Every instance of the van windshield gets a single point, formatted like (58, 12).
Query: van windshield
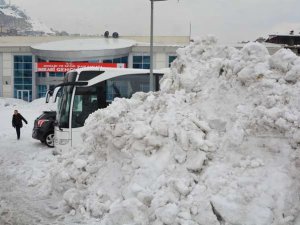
(63, 114)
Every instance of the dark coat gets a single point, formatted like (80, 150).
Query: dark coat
(17, 120)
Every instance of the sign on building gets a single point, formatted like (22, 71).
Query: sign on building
(66, 66)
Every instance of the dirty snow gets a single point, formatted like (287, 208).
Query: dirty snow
(218, 145)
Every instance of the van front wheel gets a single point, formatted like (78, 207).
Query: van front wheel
(49, 140)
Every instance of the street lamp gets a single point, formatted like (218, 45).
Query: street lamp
(151, 45)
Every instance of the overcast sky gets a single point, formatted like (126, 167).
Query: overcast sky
(228, 20)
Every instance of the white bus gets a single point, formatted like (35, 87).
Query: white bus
(86, 90)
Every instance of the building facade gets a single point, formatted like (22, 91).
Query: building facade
(290, 41)
(29, 66)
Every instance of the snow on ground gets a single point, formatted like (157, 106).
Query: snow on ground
(23, 165)
(218, 145)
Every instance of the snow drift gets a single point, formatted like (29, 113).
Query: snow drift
(218, 145)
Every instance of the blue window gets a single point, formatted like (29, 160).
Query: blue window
(28, 66)
(58, 74)
(137, 59)
(41, 91)
(27, 87)
(18, 73)
(171, 59)
(23, 77)
(41, 74)
(18, 58)
(27, 81)
(117, 60)
(93, 61)
(40, 60)
(124, 59)
(18, 66)
(141, 61)
(27, 73)
(18, 80)
(27, 58)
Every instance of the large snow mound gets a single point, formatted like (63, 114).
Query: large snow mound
(41, 105)
(218, 145)
(38, 104)
(11, 102)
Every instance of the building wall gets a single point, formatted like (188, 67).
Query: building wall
(7, 65)
(31, 40)
(178, 40)
(7, 75)
(1, 75)
(160, 61)
(13, 46)
(160, 54)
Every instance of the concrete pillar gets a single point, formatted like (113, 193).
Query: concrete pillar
(1, 75)
(8, 79)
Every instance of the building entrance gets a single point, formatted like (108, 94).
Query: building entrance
(24, 95)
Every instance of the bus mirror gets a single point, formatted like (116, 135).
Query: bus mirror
(56, 93)
(47, 97)
(56, 98)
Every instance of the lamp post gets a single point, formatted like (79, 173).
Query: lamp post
(151, 45)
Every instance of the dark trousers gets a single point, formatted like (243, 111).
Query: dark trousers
(18, 129)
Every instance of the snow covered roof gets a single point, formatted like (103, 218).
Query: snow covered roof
(85, 44)
(145, 44)
(83, 48)
(268, 45)
(284, 35)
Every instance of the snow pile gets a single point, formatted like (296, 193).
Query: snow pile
(38, 105)
(24, 164)
(218, 145)
(41, 105)
(11, 102)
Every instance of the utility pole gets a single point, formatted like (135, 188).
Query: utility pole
(151, 45)
(190, 31)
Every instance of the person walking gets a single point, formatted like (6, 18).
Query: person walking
(17, 122)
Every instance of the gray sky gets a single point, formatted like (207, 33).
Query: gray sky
(228, 20)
